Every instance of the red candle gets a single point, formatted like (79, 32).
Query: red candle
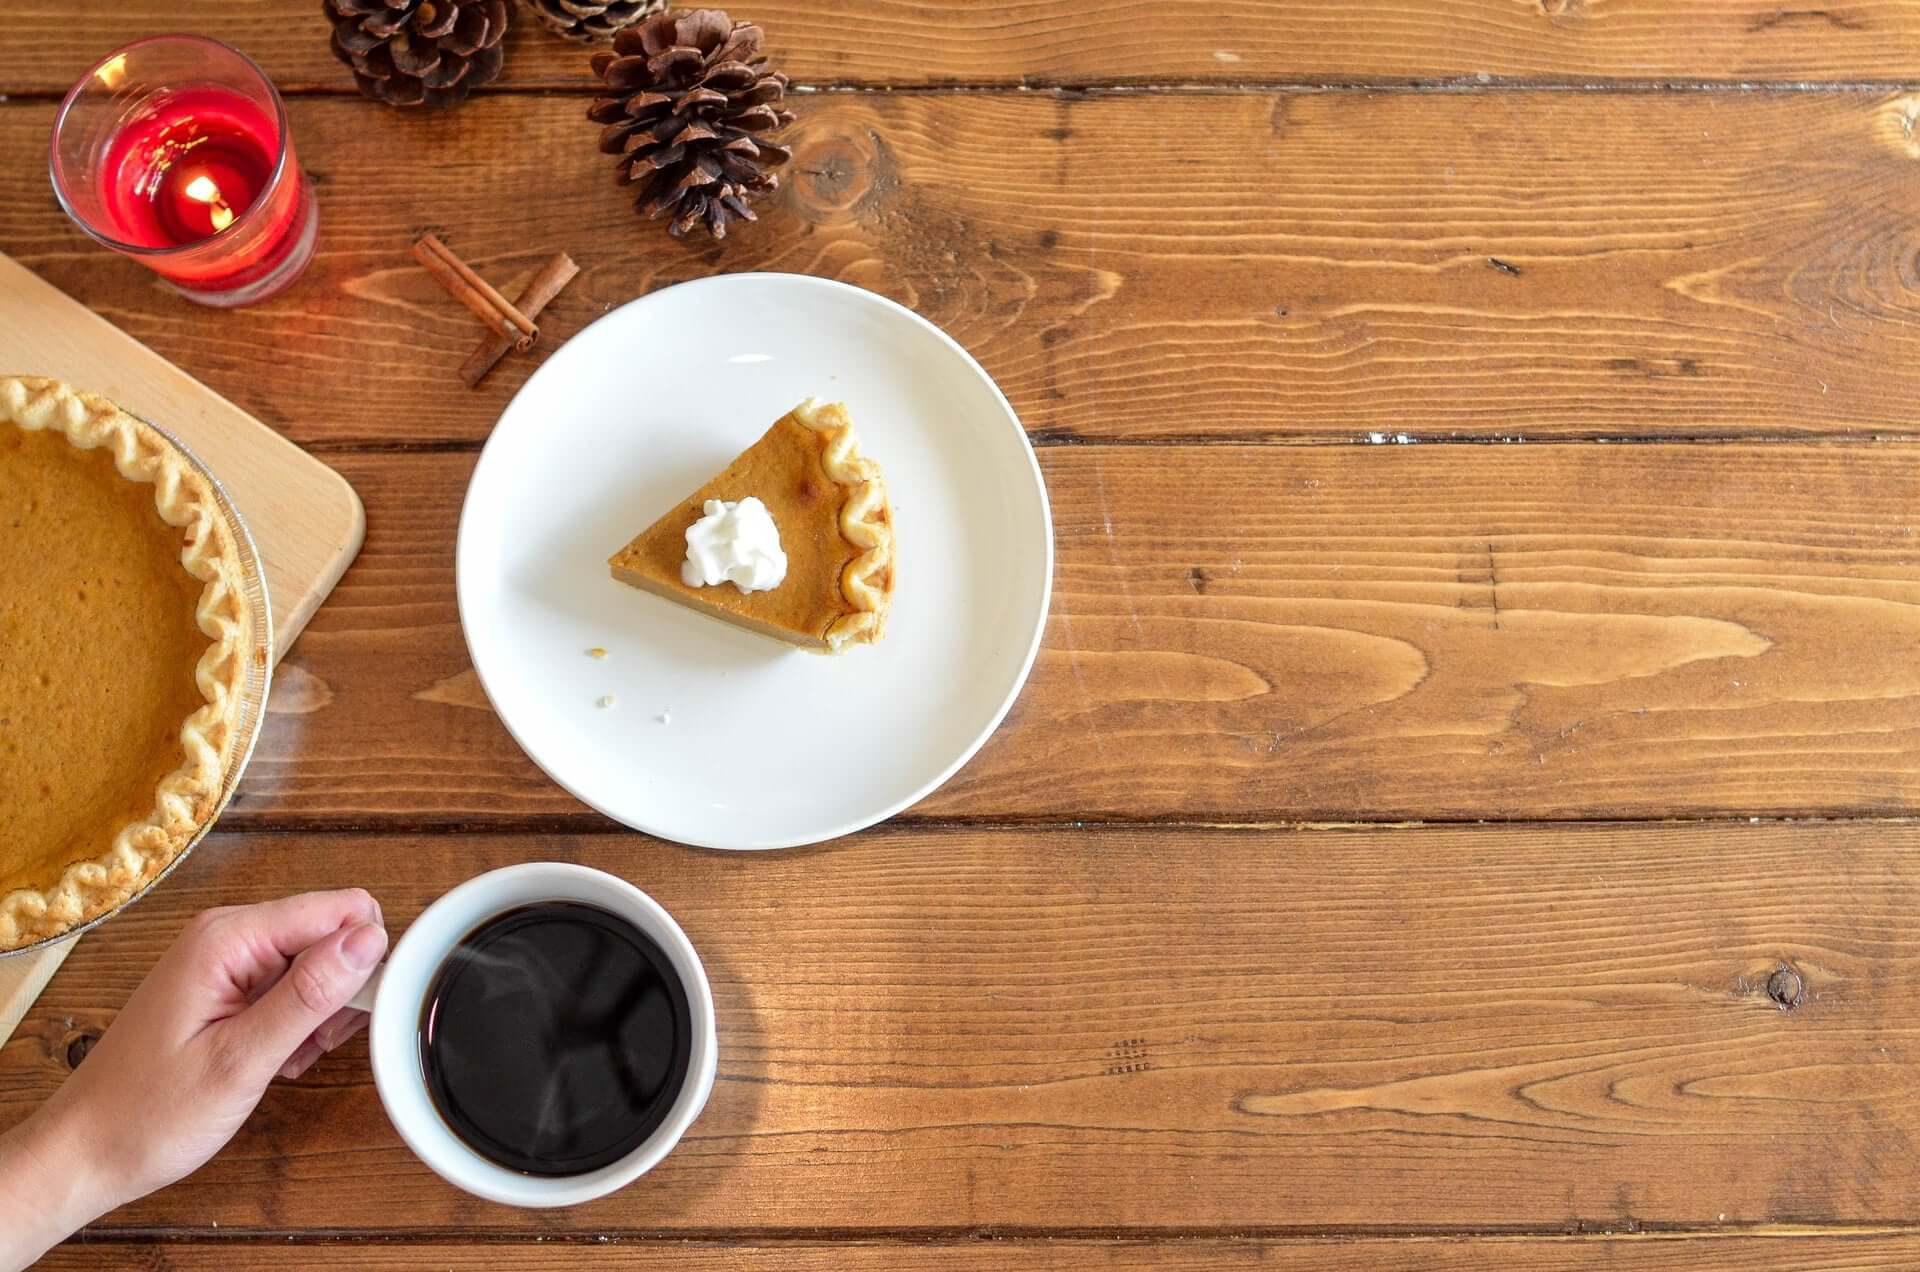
(187, 168)
(174, 150)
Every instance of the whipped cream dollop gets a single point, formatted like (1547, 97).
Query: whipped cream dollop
(737, 543)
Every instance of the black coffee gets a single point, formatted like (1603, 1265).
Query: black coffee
(555, 1038)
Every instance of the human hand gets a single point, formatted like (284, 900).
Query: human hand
(245, 994)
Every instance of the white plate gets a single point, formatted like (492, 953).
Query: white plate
(718, 737)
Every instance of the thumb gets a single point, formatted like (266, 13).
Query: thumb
(318, 984)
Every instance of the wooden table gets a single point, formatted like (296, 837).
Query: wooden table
(1462, 814)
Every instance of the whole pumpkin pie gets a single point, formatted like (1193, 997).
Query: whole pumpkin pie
(124, 640)
(829, 503)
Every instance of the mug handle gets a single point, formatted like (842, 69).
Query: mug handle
(363, 1001)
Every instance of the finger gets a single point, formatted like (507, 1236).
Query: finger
(290, 924)
(266, 1035)
(341, 1026)
(255, 943)
(302, 1060)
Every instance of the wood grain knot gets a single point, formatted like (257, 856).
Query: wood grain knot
(1897, 124)
(1786, 987)
(297, 691)
(78, 1048)
(834, 171)
(1796, 17)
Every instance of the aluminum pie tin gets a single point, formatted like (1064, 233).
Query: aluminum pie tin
(253, 692)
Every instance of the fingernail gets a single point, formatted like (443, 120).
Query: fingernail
(364, 946)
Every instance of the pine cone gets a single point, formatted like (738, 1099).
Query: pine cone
(592, 19)
(419, 52)
(693, 102)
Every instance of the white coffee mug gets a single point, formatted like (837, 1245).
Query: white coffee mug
(399, 990)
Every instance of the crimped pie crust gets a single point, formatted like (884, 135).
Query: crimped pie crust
(186, 798)
(866, 521)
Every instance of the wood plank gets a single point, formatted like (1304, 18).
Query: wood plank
(1228, 266)
(1364, 632)
(1647, 1253)
(1564, 1029)
(1114, 41)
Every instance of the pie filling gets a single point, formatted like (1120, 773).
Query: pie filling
(97, 621)
(124, 647)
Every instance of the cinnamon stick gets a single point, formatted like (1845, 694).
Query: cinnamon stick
(539, 293)
(475, 292)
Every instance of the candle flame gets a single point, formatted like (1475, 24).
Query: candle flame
(112, 71)
(203, 190)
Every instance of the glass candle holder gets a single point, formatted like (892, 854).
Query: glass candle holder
(175, 151)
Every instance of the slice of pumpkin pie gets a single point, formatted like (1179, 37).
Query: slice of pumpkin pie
(794, 540)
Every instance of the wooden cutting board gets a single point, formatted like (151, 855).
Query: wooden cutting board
(306, 520)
